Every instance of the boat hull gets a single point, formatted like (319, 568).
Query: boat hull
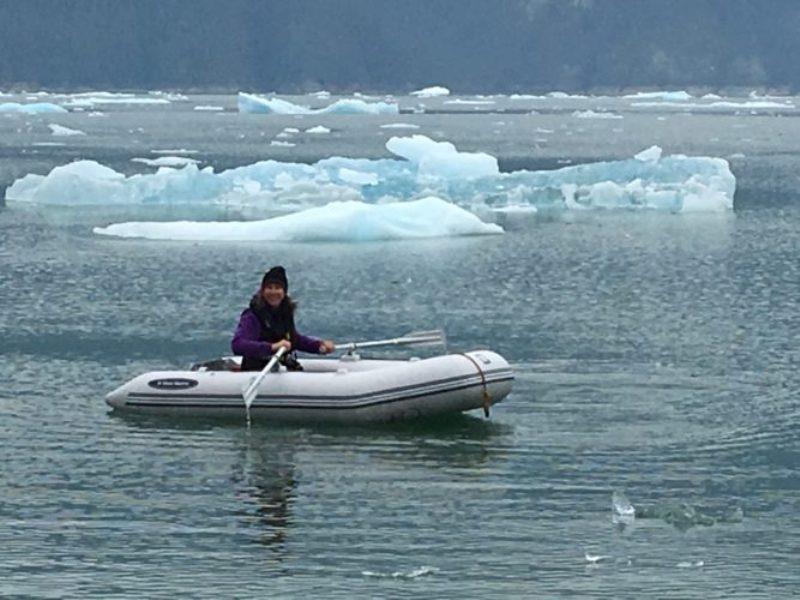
(341, 390)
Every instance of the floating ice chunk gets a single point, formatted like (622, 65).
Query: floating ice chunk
(652, 154)
(621, 506)
(175, 151)
(469, 102)
(61, 130)
(87, 182)
(359, 107)
(717, 105)
(688, 564)
(318, 129)
(93, 98)
(250, 103)
(31, 109)
(357, 177)
(595, 558)
(669, 96)
(422, 167)
(338, 221)
(442, 159)
(399, 126)
(209, 108)
(431, 92)
(590, 114)
(166, 161)
(282, 144)
(413, 574)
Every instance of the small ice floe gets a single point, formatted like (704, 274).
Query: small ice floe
(95, 113)
(413, 574)
(282, 144)
(251, 103)
(318, 129)
(668, 96)
(166, 161)
(470, 102)
(736, 155)
(688, 564)
(63, 131)
(175, 151)
(623, 511)
(209, 108)
(431, 92)
(31, 109)
(595, 558)
(399, 126)
(590, 114)
(49, 144)
(652, 154)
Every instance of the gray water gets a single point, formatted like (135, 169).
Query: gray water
(655, 356)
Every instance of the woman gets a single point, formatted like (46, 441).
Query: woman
(268, 324)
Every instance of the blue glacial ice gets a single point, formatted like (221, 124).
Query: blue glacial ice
(250, 103)
(421, 167)
(32, 108)
(335, 222)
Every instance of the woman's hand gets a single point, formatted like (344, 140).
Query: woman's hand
(281, 344)
(326, 347)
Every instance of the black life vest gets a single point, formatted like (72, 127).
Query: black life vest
(276, 324)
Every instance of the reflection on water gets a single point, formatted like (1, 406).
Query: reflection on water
(264, 477)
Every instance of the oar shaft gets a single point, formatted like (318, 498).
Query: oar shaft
(252, 390)
(392, 342)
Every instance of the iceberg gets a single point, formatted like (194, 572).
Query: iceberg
(420, 167)
(250, 103)
(335, 222)
(34, 108)
(431, 92)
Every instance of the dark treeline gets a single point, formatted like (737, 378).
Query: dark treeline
(399, 45)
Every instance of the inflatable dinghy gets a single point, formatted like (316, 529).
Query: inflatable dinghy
(347, 389)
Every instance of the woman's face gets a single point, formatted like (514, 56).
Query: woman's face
(273, 294)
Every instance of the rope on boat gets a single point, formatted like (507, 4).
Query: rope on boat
(487, 399)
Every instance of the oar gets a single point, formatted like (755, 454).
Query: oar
(413, 338)
(251, 391)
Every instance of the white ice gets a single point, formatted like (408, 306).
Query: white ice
(166, 161)
(318, 129)
(431, 92)
(60, 130)
(251, 103)
(31, 109)
(590, 114)
(399, 126)
(747, 105)
(335, 222)
(669, 96)
(209, 108)
(421, 167)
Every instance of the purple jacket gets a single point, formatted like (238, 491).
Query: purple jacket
(246, 339)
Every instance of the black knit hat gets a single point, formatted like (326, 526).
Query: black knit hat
(276, 275)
